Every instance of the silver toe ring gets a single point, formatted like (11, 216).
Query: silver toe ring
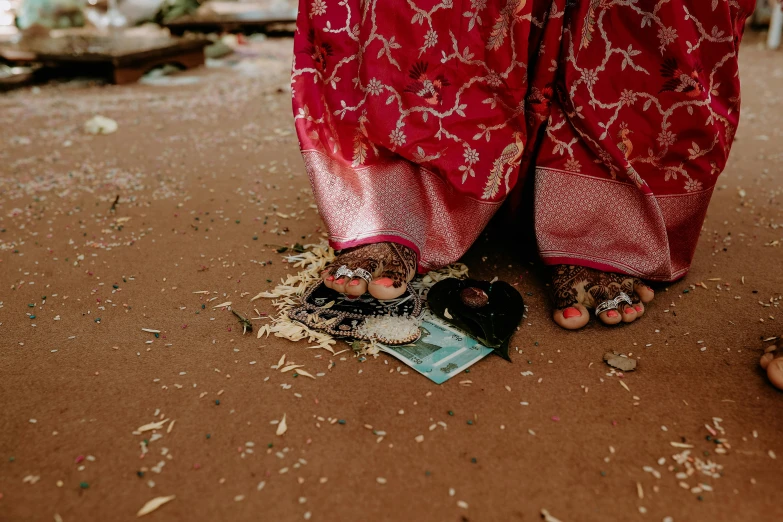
(361, 273)
(606, 306)
(613, 304)
(623, 298)
(343, 271)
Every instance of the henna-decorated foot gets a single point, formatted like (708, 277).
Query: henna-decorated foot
(772, 361)
(389, 265)
(578, 289)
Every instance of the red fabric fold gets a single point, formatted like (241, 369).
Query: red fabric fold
(414, 119)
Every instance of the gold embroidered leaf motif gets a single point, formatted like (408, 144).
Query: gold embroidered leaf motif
(359, 151)
(587, 32)
(493, 182)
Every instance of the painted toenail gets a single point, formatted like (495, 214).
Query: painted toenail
(612, 313)
(629, 310)
(639, 308)
(340, 281)
(568, 313)
(384, 281)
(330, 278)
(354, 282)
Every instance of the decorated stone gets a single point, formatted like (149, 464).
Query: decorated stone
(490, 312)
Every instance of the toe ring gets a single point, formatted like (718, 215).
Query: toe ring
(361, 273)
(611, 304)
(623, 298)
(344, 271)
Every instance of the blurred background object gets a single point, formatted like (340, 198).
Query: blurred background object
(37, 16)
(8, 18)
(173, 9)
(106, 15)
(140, 11)
(761, 14)
(775, 24)
(50, 14)
(242, 17)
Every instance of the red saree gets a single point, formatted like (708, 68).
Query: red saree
(417, 118)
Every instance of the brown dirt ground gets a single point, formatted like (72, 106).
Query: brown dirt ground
(202, 171)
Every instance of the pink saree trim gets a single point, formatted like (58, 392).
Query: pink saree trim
(394, 199)
(605, 266)
(611, 225)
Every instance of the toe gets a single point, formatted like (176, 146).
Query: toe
(766, 359)
(384, 288)
(775, 372)
(645, 293)
(356, 287)
(628, 313)
(610, 317)
(639, 307)
(339, 284)
(573, 317)
(328, 278)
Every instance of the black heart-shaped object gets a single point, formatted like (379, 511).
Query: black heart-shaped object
(490, 312)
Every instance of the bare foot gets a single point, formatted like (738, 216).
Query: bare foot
(772, 361)
(578, 289)
(389, 266)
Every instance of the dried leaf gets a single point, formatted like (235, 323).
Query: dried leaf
(221, 305)
(152, 426)
(625, 364)
(291, 367)
(263, 330)
(281, 361)
(282, 427)
(154, 504)
(302, 372)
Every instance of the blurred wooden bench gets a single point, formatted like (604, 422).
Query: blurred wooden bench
(121, 59)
